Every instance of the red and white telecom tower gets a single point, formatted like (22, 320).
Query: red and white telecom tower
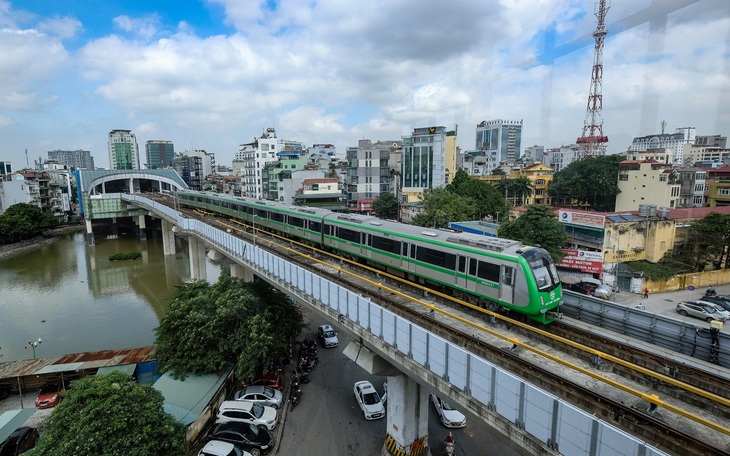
(593, 141)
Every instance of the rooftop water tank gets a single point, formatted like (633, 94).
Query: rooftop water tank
(663, 212)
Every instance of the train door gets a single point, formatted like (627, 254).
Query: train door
(507, 284)
(461, 281)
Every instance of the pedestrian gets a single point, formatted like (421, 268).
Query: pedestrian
(646, 293)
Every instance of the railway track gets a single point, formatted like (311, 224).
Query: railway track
(636, 415)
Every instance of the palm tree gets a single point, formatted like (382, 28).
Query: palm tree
(522, 189)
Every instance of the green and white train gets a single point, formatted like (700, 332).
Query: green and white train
(491, 271)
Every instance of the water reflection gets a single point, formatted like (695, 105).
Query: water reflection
(75, 299)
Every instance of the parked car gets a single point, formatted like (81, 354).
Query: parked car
(260, 394)
(701, 311)
(369, 400)
(21, 440)
(720, 310)
(247, 412)
(722, 301)
(50, 394)
(272, 380)
(328, 336)
(251, 438)
(450, 417)
(221, 448)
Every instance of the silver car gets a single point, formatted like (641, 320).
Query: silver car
(260, 394)
(699, 310)
(328, 336)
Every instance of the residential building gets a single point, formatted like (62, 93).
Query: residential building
(479, 162)
(158, 154)
(251, 158)
(424, 159)
(646, 182)
(74, 159)
(539, 175)
(660, 155)
(6, 168)
(291, 184)
(368, 173)
(323, 193)
(288, 162)
(559, 158)
(692, 190)
(328, 151)
(718, 186)
(717, 141)
(123, 150)
(670, 141)
(49, 189)
(191, 168)
(534, 153)
(698, 154)
(504, 136)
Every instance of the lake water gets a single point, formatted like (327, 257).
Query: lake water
(72, 297)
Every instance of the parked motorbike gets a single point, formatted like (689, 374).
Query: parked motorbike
(294, 397)
(303, 378)
(710, 292)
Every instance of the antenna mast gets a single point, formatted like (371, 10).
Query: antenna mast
(592, 141)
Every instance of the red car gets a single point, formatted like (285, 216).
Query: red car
(49, 395)
(272, 380)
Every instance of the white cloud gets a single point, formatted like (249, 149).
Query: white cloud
(63, 27)
(145, 27)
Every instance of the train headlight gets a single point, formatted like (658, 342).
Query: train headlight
(542, 300)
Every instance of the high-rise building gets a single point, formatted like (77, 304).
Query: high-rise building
(368, 172)
(123, 150)
(158, 154)
(194, 166)
(426, 153)
(504, 136)
(75, 159)
(670, 141)
(251, 158)
(6, 168)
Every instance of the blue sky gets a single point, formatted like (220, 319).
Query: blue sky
(213, 74)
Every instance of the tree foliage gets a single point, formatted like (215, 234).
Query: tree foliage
(489, 201)
(109, 415)
(592, 181)
(537, 226)
(23, 221)
(386, 206)
(708, 243)
(442, 206)
(210, 327)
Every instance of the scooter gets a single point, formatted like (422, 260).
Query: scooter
(449, 450)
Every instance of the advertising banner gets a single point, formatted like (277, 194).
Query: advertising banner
(582, 260)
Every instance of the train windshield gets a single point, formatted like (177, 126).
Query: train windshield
(542, 266)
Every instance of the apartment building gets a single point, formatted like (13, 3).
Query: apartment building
(646, 182)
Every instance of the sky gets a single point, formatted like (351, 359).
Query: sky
(214, 74)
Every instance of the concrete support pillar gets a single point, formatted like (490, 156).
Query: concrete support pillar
(407, 415)
(114, 228)
(196, 249)
(141, 227)
(89, 232)
(168, 238)
(241, 272)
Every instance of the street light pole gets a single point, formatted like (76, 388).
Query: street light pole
(253, 221)
(33, 345)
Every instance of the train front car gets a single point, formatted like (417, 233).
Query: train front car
(543, 283)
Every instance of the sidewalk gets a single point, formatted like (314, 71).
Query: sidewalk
(15, 402)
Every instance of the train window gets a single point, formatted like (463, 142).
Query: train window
(296, 221)
(315, 226)
(404, 251)
(488, 271)
(462, 264)
(385, 244)
(224, 204)
(277, 217)
(472, 267)
(436, 258)
(413, 251)
(349, 235)
(508, 278)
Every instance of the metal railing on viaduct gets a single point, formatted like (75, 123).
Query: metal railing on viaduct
(497, 397)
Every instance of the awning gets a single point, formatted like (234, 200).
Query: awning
(591, 280)
(570, 280)
(12, 420)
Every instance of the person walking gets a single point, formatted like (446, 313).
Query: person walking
(646, 293)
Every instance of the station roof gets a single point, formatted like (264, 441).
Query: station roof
(89, 179)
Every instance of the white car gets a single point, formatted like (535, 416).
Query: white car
(261, 394)
(247, 412)
(450, 417)
(219, 448)
(369, 400)
(328, 336)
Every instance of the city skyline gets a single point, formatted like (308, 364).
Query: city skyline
(215, 74)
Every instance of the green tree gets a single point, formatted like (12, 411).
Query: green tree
(709, 238)
(210, 327)
(498, 172)
(592, 181)
(110, 415)
(23, 221)
(537, 226)
(442, 207)
(521, 189)
(386, 206)
(488, 200)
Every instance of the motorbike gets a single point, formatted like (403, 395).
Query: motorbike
(294, 397)
(710, 292)
(449, 450)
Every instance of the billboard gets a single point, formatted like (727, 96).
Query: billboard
(582, 218)
(582, 260)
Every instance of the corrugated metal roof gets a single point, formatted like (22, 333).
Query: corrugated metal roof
(12, 419)
(76, 362)
(186, 399)
(126, 368)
